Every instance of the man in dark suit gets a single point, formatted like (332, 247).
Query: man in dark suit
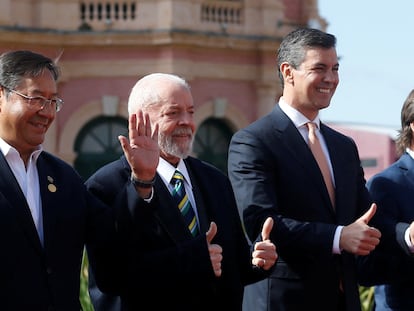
(391, 265)
(166, 265)
(274, 173)
(46, 214)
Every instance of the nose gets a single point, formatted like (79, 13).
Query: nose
(47, 108)
(331, 76)
(186, 118)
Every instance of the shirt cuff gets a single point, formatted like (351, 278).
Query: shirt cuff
(408, 240)
(148, 200)
(337, 236)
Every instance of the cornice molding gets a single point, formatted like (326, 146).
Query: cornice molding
(53, 38)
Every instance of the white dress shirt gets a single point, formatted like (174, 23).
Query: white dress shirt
(28, 179)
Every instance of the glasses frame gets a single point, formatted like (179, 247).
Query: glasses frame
(58, 101)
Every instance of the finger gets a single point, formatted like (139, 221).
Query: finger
(215, 250)
(259, 262)
(369, 214)
(211, 233)
(154, 135)
(124, 143)
(147, 125)
(267, 228)
(140, 123)
(132, 124)
(217, 272)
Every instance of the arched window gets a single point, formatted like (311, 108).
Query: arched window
(212, 141)
(97, 144)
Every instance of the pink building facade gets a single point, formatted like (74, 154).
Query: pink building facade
(225, 49)
(376, 145)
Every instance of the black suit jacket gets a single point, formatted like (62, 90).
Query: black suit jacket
(163, 266)
(391, 264)
(273, 173)
(36, 277)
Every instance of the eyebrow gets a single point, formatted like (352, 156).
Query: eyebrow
(38, 92)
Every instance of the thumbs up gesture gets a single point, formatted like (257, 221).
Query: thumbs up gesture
(359, 238)
(215, 250)
(264, 254)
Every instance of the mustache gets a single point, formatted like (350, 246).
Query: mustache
(182, 131)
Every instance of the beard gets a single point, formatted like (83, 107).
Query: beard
(181, 149)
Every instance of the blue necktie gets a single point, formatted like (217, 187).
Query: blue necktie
(181, 198)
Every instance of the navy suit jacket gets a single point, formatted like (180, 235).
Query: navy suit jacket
(36, 277)
(273, 173)
(163, 266)
(392, 263)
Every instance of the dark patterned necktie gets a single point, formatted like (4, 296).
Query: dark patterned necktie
(181, 198)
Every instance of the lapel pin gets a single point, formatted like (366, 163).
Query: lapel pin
(51, 187)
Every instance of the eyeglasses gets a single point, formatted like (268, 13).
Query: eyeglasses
(39, 102)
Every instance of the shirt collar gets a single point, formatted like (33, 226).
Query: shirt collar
(7, 150)
(166, 170)
(297, 118)
(410, 152)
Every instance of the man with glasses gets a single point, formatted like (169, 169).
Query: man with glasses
(46, 214)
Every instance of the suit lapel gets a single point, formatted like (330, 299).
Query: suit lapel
(294, 143)
(341, 170)
(198, 181)
(49, 192)
(10, 189)
(299, 150)
(406, 165)
(168, 213)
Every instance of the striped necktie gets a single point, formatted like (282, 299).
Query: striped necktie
(181, 198)
(316, 148)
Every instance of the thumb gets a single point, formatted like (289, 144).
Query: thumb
(369, 214)
(267, 228)
(126, 148)
(211, 233)
(124, 143)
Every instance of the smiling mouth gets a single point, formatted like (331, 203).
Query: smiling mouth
(325, 91)
(40, 126)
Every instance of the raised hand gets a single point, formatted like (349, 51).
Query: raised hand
(264, 254)
(215, 250)
(358, 238)
(142, 150)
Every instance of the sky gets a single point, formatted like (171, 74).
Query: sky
(375, 43)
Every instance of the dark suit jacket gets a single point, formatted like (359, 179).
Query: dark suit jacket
(273, 173)
(392, 263)
(164, 267)
(35, 277)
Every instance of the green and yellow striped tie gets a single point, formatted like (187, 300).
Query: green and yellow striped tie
(181, 198)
